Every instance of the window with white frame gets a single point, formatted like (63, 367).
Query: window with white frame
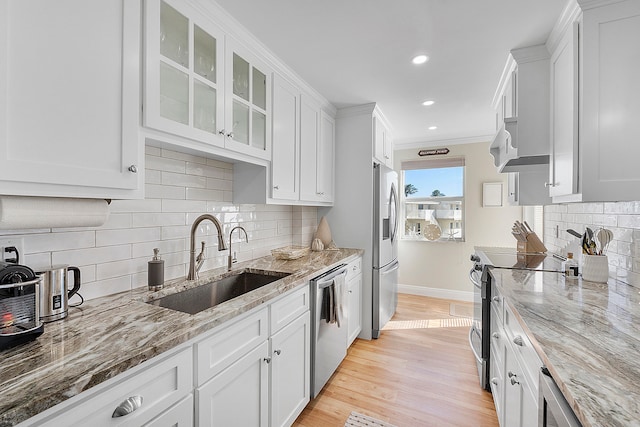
(433, 199)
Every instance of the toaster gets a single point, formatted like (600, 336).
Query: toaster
(19, 305)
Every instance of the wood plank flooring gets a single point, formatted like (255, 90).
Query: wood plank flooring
(420, 372)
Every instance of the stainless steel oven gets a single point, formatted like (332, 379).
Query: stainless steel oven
(553, 409)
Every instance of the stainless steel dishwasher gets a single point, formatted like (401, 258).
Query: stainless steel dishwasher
(328, 336)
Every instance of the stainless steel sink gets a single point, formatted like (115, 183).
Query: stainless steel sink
(202, 297)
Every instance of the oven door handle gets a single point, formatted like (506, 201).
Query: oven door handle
(472, 331)
(473, 280)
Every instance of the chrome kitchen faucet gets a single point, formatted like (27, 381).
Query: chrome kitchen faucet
(231, 259)
(193, 269)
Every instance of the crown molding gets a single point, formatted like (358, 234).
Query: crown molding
(569, 15)
(590, 4)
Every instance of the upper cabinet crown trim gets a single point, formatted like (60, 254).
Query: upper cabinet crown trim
(568, 16)
(590, 4)
(356, 110)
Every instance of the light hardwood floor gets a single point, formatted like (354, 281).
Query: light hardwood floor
(420, 372)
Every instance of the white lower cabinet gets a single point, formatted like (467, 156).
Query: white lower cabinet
(251, 378)
(354, 300)
(290, 371)
(514, 368)
(239, 395)
(153, 386)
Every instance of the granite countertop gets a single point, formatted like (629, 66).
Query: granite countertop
(106, 336)
(588, 336)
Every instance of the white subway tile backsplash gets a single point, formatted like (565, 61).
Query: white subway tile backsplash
(622, 218)
(180, 179)
(179, 188)
(133, 235)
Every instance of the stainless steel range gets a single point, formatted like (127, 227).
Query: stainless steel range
(484, 260)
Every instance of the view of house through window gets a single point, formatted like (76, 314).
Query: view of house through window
(433, 199)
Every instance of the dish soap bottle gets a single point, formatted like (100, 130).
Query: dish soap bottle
(570, 266)
(155, 272)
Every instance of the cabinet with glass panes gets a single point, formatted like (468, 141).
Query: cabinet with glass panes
(199, 85)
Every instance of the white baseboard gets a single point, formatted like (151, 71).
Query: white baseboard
(436, 292)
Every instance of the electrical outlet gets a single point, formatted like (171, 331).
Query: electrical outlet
(18, 243)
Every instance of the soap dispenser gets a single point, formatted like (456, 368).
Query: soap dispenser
(155, 272)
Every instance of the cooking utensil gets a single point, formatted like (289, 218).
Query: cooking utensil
(529, 229)
(604, 237)
(574, 233)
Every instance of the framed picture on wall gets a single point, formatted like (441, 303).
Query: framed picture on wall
(492, 194)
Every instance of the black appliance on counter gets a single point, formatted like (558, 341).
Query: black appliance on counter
(19, 304)
(484, 260)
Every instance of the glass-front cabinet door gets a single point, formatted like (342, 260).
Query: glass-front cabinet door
(248, 120)
(184, 87)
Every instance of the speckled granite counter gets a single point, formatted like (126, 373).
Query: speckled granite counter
(588, 335)
(109, 335)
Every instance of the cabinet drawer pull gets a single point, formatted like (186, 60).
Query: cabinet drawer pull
(127, 407)
(277, 352)
(230, 135)
(550, 184)
(276, 187)
(495, 335)
(221, 132)
(518, 341)
(267, 359)
(133, 169)
(495, 299)
(494, 381)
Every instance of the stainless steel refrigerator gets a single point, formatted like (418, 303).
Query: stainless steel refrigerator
(385, 246)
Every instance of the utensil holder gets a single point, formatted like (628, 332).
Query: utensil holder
(595, 268)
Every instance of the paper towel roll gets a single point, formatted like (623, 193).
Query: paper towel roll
(18, 212)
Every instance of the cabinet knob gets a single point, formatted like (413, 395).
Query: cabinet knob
(221, 132)
(514, 380)
(277, 352)
(320, 193)
(267, 359)
(495, 299)
(511, 374)
(230, 135)
(133, 169)
(518, 341)
(276, 187)
(550, 184)
(494, 381)
(350, 292)
(127, 407)
(496, 335)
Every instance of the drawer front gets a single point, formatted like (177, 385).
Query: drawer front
(180, 415)
(498, 337)
(289, 308)
(523, 348)
(228, 345)
(160, 386)
(496, 383)
(354, 268)
(497, 303)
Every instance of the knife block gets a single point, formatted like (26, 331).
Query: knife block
(532, 245)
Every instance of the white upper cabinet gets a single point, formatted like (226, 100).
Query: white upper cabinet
(202, 84)
(184, 76)
(382, 141)
(522, 101)
(69, 85)
(248, 103)
(563, 167)
(317, 140)
(286, 143)
(596, 108)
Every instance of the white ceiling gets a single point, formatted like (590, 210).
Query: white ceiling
(359, 51)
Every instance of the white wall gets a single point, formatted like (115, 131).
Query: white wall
(179, 188)
(441, 269)
(623, 218)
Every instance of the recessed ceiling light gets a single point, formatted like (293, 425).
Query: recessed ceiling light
(420, 59)
(433, 127)
(427, 103)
